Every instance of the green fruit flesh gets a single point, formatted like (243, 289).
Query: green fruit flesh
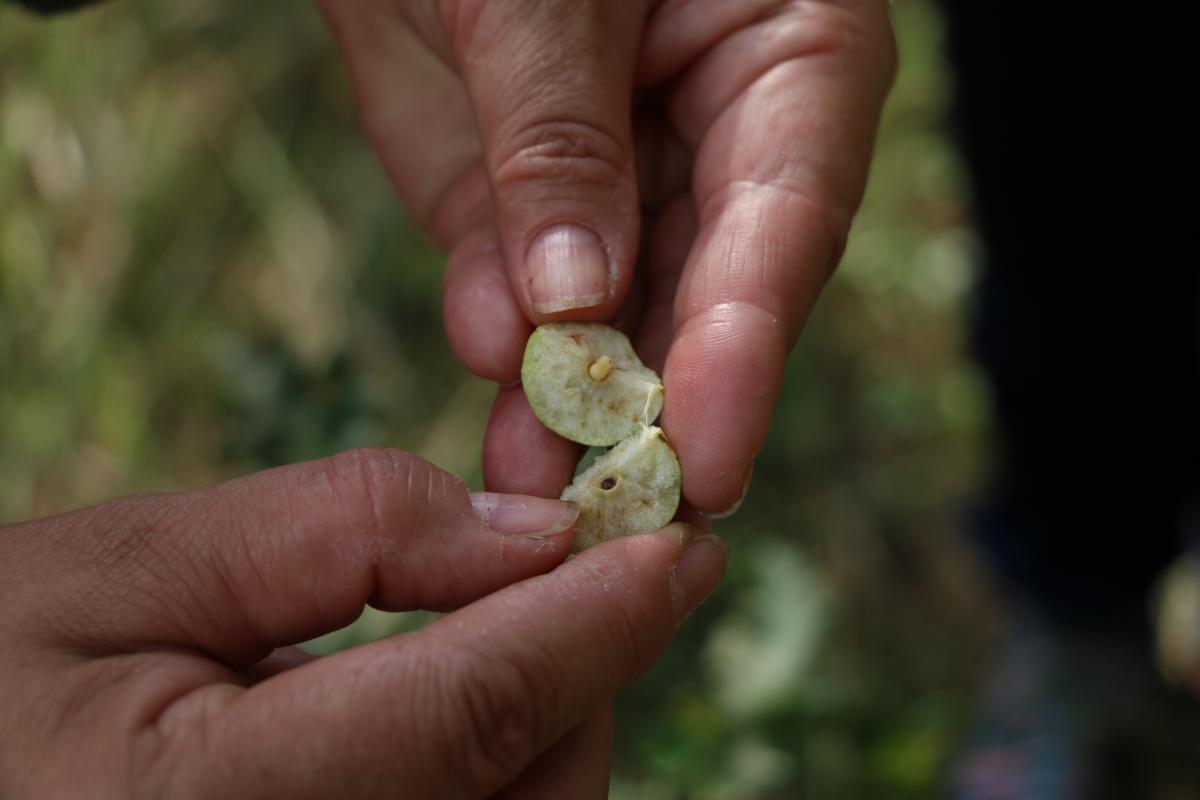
(632, 488)
(585, 382)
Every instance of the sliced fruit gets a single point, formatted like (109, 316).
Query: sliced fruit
(584, 382)
(632, 488)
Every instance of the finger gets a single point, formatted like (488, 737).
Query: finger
(519, 451)
(551, 85)
(407, 99)
(464, 706)
(687, 513)
(679, 32)
(283, 555)
(784, 114)
(485, 324)
(577, 766)
(486, 327)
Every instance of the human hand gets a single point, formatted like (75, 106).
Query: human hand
(508, 127)
(141, 639)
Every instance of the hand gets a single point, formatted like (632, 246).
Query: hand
(508, 129)
(140, 639)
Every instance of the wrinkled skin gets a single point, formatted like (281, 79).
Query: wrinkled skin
(747, 157)
(146, 640)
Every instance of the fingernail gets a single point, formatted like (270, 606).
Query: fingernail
(733, 509)
(568, 268)
(519, 514)
(697, 572)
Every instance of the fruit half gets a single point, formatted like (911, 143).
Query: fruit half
(585, 383)
(632, 488)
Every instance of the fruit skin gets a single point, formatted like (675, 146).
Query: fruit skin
(632, 488)
(561, 384)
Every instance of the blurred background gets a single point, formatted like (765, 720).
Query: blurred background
(203, 272)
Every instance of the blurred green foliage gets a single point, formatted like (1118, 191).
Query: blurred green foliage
(203, 272)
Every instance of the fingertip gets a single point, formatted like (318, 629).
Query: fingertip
(644, 556)
(484, 323)
(663, 545)
(722, 379)
(520, 454)
(737, 504)
(692, 560)
(553, 111)
(524, 515)
(697, 571)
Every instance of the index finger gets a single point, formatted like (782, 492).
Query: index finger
(783, 113)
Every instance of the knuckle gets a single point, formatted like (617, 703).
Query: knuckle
(559, 151)
(863, 33)
(826, 198)
(371, 465)
(368, 476)
(389, 499)
(492, 721)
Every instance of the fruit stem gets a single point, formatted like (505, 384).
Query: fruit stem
(600, 368)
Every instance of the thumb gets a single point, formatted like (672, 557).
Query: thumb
(551, 82)
(277, 557)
